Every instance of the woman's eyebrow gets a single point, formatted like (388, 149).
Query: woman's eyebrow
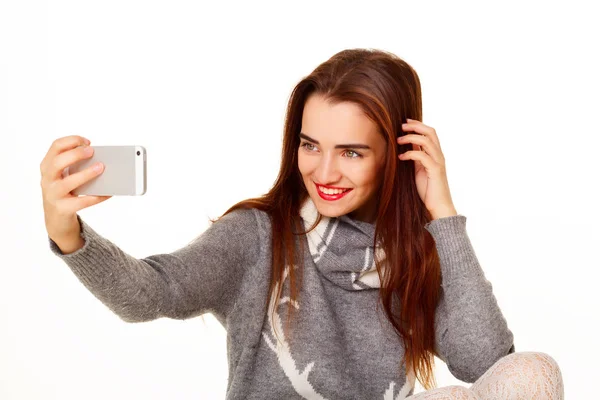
(338, 146)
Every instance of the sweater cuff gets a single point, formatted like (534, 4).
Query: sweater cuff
(86, 262)
(457, 256)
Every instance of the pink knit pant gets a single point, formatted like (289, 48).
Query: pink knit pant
(520, 375)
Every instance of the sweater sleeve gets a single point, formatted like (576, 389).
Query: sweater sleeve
(203, 276)
(471, 331)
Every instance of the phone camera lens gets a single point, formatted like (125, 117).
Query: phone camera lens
(138, 152)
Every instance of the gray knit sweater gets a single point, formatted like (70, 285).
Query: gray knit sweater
(343, 348)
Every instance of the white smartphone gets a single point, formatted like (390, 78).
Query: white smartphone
(124, 171)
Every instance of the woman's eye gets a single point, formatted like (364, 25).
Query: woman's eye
(306, 144)
(356, 155)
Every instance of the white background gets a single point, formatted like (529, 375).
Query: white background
(511, 88)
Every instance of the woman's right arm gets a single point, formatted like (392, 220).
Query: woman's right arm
(203, 276)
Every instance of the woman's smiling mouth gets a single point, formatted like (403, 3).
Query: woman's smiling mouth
(331, 193)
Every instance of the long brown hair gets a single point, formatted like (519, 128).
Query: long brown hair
(388, 90)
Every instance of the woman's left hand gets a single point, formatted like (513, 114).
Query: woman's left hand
(430, 168)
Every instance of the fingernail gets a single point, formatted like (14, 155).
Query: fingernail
(87, 141)
(97, 167)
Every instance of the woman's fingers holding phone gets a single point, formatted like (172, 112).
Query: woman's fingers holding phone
(53, 182)
(60, 205)
(60, 155)
(73, 181)
(65, 152)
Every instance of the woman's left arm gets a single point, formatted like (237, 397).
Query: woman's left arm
(471, 331)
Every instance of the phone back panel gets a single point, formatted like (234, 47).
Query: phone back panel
(119, 174)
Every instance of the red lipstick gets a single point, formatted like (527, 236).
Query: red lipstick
(331, 197)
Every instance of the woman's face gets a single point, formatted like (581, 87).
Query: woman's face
(340, 148)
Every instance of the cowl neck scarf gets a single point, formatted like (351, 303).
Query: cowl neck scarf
(342, 248)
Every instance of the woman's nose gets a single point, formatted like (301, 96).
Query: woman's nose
(327, 171)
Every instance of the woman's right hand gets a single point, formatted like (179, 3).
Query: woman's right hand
(60, 206)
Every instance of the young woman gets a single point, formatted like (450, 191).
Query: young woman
(346, 278)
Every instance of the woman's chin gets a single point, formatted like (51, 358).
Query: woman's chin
(329, 210)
